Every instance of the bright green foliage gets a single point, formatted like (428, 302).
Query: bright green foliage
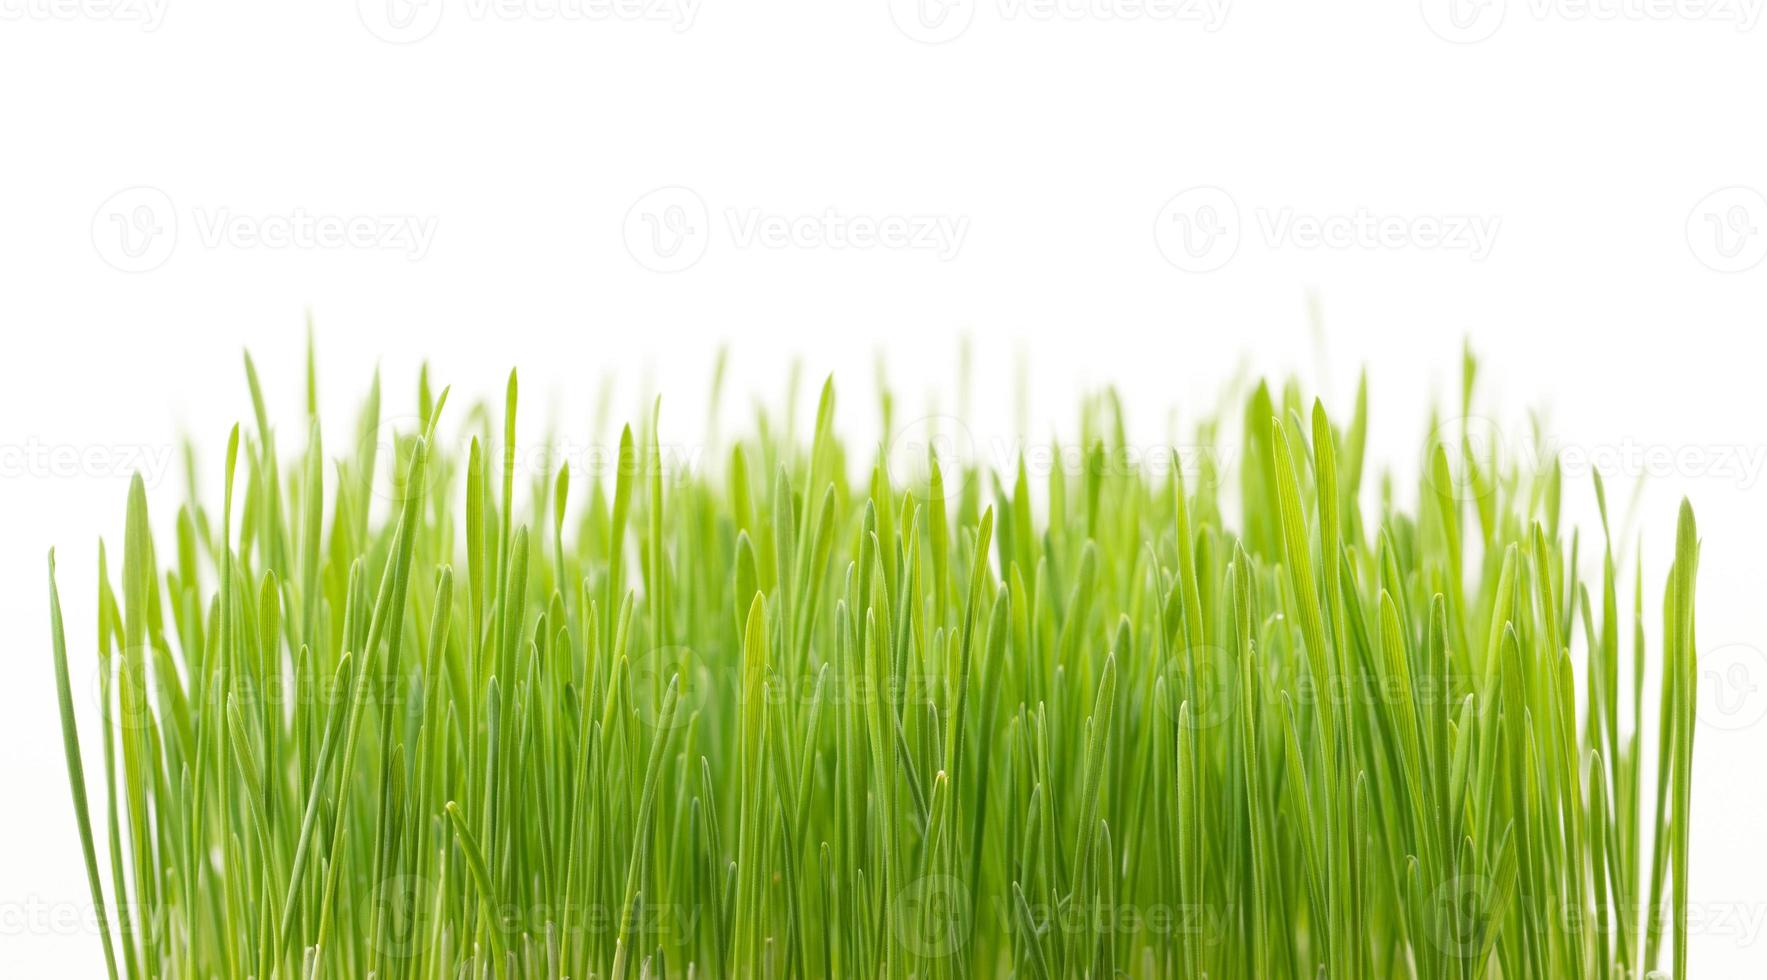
(796, 713)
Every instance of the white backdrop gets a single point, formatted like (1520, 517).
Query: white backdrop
(1144, 192)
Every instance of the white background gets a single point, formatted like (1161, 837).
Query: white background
(1611, 290)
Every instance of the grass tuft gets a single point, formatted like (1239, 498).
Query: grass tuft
(805, 713)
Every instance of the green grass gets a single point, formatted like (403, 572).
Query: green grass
(798, 713)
